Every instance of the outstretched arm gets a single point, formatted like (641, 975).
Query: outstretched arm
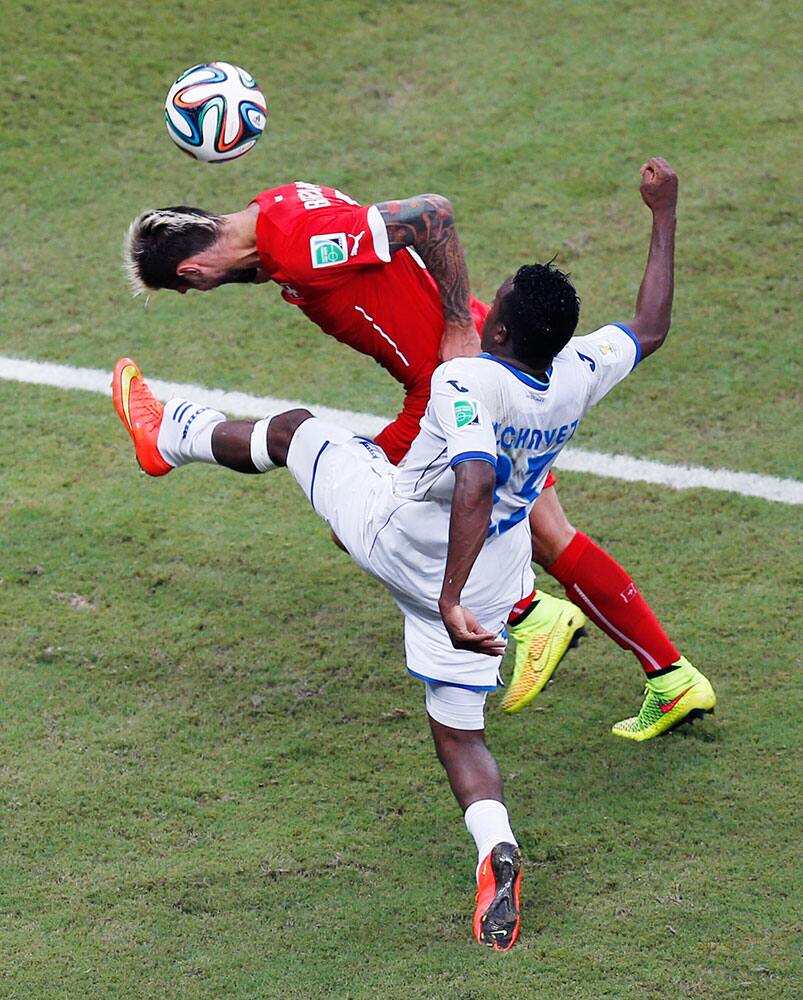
(426, 223)
(472, 503)
(659, 189)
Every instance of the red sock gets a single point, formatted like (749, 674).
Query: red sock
(610, 598)
(517, 611)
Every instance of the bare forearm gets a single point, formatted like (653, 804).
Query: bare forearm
(472, 503)
(659, 191)
(654, 301)
(426, 223)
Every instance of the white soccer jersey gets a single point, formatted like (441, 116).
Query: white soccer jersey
(482, 408)
(395, 521)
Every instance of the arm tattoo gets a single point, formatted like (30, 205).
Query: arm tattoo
(426, 224)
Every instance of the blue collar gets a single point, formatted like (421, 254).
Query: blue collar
(529, 380)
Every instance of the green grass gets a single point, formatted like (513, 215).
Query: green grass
(215, 775)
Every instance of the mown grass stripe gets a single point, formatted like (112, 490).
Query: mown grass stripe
(241, 404)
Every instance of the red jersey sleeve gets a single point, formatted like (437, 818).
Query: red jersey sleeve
(307, 235)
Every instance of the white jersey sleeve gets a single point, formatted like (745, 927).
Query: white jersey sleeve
(458, 408)
(610, 353)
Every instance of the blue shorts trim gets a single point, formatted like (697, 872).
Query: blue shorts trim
(314, 472)
(466, 687)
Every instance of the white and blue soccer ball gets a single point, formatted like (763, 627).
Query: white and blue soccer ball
(215, 112)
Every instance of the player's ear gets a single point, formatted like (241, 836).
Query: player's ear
(188, 270)
(501, 335)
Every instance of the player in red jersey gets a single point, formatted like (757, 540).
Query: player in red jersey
(390, 280)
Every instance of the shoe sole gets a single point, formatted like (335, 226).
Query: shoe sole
(501, 921)
(688, 719)
(125, 371)
(550, 651)
(120, 394)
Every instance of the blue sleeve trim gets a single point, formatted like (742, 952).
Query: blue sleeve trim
(634, 338)
(473, 456)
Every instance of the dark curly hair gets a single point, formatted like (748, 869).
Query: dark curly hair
(540, 312)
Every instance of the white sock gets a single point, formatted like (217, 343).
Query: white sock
(259, 446)
(186, 432)
(488, 823)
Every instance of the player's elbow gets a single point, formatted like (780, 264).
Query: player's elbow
(438, 206)
(484, 490)
(650, 334)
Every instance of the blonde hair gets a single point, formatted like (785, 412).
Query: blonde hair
(159, 239)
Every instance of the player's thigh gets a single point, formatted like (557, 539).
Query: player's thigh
(306, 453)
(550, 528)
(339, 474)
(430, 655)
(455, 707)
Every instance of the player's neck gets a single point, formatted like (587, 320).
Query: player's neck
(239, 235)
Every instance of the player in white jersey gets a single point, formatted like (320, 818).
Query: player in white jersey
(447, 531)
(481, 409)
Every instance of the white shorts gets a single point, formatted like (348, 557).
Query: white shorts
(455, 706)
(349, 482)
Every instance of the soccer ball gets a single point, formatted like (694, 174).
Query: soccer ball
(215, 112)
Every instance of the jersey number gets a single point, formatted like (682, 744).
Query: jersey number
(528, 492)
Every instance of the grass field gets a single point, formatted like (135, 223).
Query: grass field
(215, 775)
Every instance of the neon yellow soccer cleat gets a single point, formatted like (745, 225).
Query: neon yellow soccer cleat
(691, 697)
(542, 639)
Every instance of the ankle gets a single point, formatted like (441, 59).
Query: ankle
(186, 430)
(673, 679)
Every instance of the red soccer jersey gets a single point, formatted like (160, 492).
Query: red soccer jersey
(331, 256)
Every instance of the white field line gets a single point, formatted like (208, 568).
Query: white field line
(240, 404)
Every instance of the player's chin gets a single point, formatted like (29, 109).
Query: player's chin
(246, 276)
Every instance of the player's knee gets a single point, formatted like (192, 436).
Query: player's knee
(550, 530)
(451, 745)
(281, 430)
(547, 548)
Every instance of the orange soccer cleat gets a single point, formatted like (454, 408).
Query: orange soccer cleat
(141, 412)
(497, 918)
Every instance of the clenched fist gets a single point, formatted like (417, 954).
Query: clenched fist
(659, 185)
